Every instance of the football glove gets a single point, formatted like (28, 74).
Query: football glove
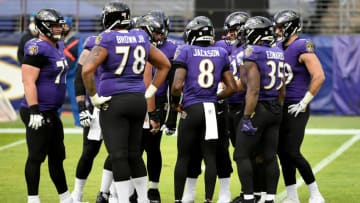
(99, 101)
(297, 108)
(301, 106)
(85, 116)
(247, 127)
(36, 119)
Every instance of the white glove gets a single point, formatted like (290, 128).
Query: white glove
(297, 108)
(85, 118)
(36, 119)
(301, 106)
(99, 101)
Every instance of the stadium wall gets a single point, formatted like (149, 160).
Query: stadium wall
(339, 55)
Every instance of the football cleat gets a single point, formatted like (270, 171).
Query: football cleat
(154, 196)
(291, 200)
(102, 197)
(316, 199)
(133, 197)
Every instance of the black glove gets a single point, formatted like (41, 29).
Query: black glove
(170, 123)
(155, 116)
(36, 119)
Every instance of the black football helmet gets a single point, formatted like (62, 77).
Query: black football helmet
(161, 15)
(151, 24)
(115, 14)
(289, 22)
(45, 19)
(200, 29)
(235, 21)
(258, 29)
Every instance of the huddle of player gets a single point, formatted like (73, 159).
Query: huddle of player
(252, 88)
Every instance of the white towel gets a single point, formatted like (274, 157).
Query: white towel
(211, 131)
(146, 124)
(95, 130)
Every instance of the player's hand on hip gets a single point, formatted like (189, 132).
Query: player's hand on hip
(99, 101)
(36, 119)
(297, 108)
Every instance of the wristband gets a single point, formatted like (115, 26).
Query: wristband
(246, 117)
(150, 91)
(308, 97)
(34, 109)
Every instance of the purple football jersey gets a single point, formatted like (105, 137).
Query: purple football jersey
(89, 44)
(296, 74)
(222, 43)
(123, 69)
(205, 66)
(236, 59)
(51, 83)
(270, 61)
(168, 48)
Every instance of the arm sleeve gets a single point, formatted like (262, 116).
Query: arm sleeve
(79, 85)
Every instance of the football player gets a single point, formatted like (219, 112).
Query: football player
(155, 25)
(259, 126)
(121, 55)
(200, 68)
(44, 70)
(304, 78)
(92, 143)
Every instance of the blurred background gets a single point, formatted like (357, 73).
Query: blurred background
(333, 25)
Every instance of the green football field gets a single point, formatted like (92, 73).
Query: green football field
(331, 145)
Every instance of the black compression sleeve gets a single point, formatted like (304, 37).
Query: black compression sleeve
(37, 61)
(79, 85)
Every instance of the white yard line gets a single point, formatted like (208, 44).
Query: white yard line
(323, 163)
(13, 144)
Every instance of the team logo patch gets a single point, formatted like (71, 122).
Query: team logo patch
(33, 50)
(98, 40)
(309, 46)
(248, 51)
(177, 53)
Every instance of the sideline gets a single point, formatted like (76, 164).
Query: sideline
(323, 163)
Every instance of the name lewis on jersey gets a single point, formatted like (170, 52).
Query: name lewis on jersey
(206, 53)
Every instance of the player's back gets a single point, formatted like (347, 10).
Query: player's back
(123, 69)
(270, 60)
(205, 66)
